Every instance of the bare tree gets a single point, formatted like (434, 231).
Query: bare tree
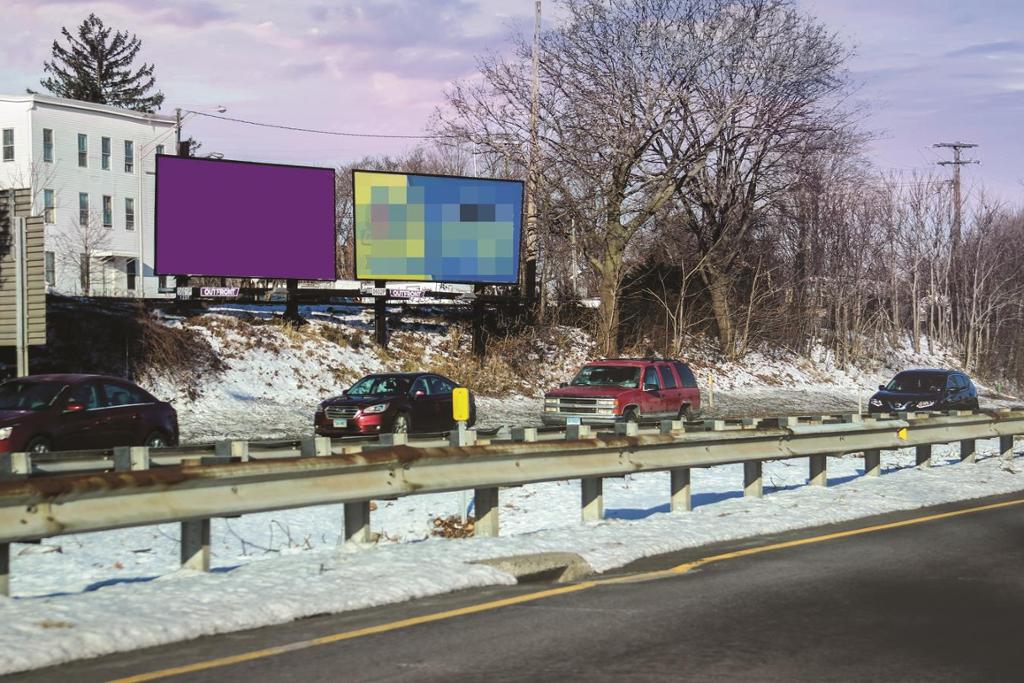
(777, 87)
(616, 128)
(78, 247)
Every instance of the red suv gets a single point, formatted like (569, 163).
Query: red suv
(625, 390)
(70, 412)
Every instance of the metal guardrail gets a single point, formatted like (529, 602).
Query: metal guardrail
(235, 481)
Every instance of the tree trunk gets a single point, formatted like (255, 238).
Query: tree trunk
(719, 284)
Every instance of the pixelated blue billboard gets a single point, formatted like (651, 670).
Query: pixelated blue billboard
(429, 228)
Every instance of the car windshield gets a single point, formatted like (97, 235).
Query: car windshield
(917, 382)
(605, 375)
(28, 395)
(379, 384)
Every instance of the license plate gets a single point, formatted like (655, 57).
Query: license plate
(574, 420)
(340, 423)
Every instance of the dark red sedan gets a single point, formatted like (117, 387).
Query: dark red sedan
(44, 413)
(393, 402)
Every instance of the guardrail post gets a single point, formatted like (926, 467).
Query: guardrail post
(818, 470)
(357, 522)
(195, 544)
(670, 426)
(627, 429)
(968, 450)
(577, 432)
(924, 455)
(592, 499)
(872, 462)
(1006, 447)
(232, 449)
(485, 503)
(393, 439)
(5, 569)
(128, 458)
(752, 487)
(315, 446)
(460, 436)
(680, 501)
(15, 465)
(526, 434)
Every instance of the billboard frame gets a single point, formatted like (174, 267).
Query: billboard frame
(156, 213)
(522, 221)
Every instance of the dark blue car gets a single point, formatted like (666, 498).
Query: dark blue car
(925, 389)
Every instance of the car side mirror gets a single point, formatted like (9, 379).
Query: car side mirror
(419, 393)
(344, 392)
(74, 408)
(650, 387)
(881, 387)
(563, 384)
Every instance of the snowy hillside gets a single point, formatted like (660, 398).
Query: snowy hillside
(273, 376)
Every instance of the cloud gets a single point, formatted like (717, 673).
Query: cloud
(1004, 47)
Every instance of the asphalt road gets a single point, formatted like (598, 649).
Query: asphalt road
(940, 600)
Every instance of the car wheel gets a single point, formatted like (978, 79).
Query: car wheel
(401, 425)
(687, 413)
(156, 440)
(40, 444)
(631, 416)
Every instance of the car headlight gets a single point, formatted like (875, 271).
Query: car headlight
(376, 408)
(925, 404)
(610, 402)
(550, 401)
(875, 402)
(5, 433)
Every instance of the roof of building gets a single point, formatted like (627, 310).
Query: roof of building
(52, 101)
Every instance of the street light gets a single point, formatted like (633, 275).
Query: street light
(179, 119)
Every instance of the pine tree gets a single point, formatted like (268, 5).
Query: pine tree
(96, 67)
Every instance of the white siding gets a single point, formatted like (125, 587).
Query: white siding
(67, 120)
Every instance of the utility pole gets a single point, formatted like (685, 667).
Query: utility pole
(531, 175)
(956, 163)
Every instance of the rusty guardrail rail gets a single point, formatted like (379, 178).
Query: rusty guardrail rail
(33, 507)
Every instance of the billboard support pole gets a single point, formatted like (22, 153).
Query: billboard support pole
(380, 315)
(291, 307)
(479, 343)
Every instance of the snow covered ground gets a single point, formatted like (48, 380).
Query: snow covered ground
(93, 594)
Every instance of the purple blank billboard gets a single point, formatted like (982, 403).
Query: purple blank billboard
(241, 219)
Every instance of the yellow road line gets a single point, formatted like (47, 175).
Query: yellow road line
(541, 595)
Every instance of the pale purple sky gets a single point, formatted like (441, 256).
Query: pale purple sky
(929, 70)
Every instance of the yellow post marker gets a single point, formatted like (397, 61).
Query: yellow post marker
(460, 404)
(902, 434)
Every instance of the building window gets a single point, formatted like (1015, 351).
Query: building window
(48, 144)
(83, 209)
(8, 144)
(131, 269)
(105, 154)
(83, 150)
(161, 283)
(49, 208)
(108, 211)
(129, 213)
(159, 149)
(129, 156)
(50, 270)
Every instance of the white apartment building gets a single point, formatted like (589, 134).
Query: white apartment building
(90, 168)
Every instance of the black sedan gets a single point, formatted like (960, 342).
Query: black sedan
(925, 389)
(393, 402)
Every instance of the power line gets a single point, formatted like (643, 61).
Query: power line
(316, 130)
